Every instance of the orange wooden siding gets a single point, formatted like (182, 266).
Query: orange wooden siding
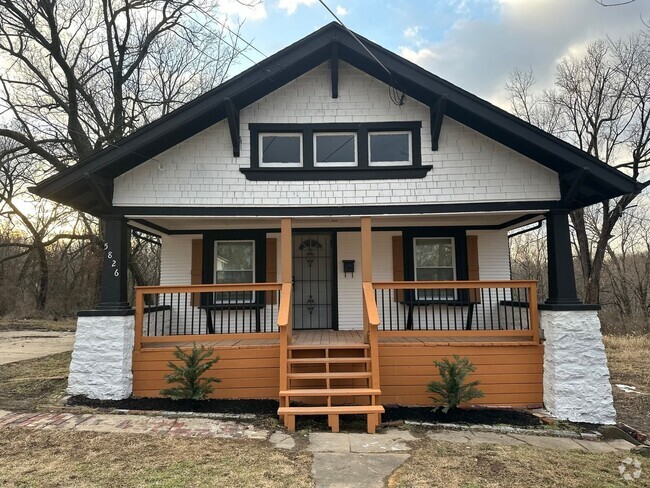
(509, 374)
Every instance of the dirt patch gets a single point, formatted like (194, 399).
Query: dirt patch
(475, 416)
(60, 325)
(32, 384)
(442, 464)
(629, 364)
(127, 460)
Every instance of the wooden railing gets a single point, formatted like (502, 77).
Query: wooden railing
(200, 310)
(497, 307)
(285, 324)
(370, 325)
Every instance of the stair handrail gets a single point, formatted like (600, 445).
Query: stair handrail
(285, 328)
(371, 328)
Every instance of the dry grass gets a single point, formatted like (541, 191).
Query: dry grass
(62, 325)
(629, 363)
(86, 459)
(22, 384)
(441, 464)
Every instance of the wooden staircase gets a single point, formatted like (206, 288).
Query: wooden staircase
(332, 380)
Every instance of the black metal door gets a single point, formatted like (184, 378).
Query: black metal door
(313, 263)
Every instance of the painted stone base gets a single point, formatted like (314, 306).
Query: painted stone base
(576, 377)
(102, 358)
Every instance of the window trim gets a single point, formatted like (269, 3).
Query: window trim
(308, 171)
(380, 164)
(215, 271)
(277, 164)
(338, 164)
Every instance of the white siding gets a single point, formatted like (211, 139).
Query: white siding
(493, 254)
(468, 167)
(176, 259)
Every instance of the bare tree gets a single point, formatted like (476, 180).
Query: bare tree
(600, 103)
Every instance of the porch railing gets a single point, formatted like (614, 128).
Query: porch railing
(247, 308)
(458, 306)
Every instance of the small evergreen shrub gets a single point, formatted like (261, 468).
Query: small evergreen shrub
(452, 391)
(189, 375)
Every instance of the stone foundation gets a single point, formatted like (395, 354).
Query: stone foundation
(102, 358)
(576, 376)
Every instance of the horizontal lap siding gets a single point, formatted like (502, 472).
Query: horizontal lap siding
(247, 372)
(508, 375)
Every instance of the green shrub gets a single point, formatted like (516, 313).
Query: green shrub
(452, 390)
(189, 375)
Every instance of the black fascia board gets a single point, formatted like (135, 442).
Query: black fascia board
(301, 57)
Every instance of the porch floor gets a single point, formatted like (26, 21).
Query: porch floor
(332, 337)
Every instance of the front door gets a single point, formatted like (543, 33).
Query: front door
(313, 271)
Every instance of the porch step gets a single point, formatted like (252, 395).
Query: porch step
(328, 360)
(316, 392)
(316, 347)
(372, 411)
(332, 376)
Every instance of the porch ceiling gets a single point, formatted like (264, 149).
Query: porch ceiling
(475, 220)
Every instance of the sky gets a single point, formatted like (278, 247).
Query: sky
(474, 44)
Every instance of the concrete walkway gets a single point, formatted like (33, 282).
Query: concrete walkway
(31, 344)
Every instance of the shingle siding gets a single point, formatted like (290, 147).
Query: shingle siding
(468, 167)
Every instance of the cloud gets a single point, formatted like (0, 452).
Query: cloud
(341, 11)
(412, 32)
(478, 53)
(291, 5)
(233, 8)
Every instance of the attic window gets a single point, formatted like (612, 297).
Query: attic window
(335, 151)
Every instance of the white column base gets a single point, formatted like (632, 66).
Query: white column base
(102, 358)
(576, 376)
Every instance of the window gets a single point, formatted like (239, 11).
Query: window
(280, 150)
(335, 149)
(234, 262)
(389, 148)
(434, 259)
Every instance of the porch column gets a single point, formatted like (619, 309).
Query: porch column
(366, 249)
(114, 292)
(561, 275)
(576, 376)
(286, 251)
(103, 348)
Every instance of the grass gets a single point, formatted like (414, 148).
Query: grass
(29, 385)
(629, 364)
(442, 464)
(61, 325)
(86, 459)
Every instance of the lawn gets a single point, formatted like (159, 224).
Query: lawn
(442, 464)
(34, 383)
(86, 459)
(629, 364)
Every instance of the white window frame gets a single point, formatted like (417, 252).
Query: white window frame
(261, 137)
(430, 295)
(354, 163)
(391, 163)
(216, 256)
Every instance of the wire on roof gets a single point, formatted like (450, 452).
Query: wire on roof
(397, 95)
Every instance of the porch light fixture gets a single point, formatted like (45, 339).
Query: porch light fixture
(348, 267)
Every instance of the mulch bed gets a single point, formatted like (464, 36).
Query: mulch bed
(269, 408)
(257, 407)
(476, 416)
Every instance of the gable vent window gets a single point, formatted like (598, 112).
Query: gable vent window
(390, 148)
(335, 151)
(281, 150)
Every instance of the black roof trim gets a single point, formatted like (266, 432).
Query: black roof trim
(71, 186)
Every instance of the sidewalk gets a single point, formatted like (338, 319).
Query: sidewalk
(32, 344)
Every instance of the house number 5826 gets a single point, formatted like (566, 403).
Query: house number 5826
(109, 255)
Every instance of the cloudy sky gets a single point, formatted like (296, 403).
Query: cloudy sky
(472, 43)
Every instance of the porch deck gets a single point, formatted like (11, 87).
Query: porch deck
(343, 337)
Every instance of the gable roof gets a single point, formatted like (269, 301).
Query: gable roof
(88, 185)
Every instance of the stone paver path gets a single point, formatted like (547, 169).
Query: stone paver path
(357, 460)
(546, 442)
(134, 424)
(31, 344)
